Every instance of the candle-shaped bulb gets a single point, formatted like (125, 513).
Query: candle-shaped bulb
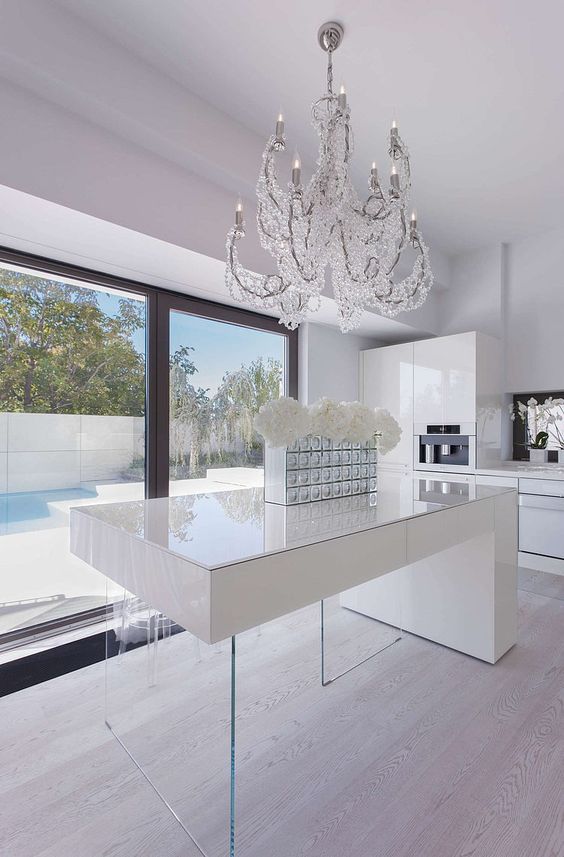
(280, 117)
(394, 178)
(394, 171)
(373, 170)
(414, 216)
(296, 170)
(280, 126)
(239, 212)
(342, 97)
(394, 123)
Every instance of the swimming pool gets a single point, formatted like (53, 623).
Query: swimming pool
(39, 510)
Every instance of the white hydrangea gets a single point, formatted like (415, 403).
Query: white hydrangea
(388, 430)
(329, 419)
(282, 421)
(362, 424)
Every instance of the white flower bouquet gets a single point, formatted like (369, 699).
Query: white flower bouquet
(282, 422)
(326, 451)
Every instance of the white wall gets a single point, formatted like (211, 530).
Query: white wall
(329, 362)
(516, 293)
(535, 313)
(44, 452)
(474, 299)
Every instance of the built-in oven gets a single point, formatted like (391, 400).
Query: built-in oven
(541, 517)
(449, 448)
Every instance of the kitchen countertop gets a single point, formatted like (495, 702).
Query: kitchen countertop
(219, 529)
(523, 469)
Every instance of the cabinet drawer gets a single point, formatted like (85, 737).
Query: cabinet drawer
(502, 481)
(548, 487)
(541, 525)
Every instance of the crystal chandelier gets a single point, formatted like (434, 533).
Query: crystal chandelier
(306, 229)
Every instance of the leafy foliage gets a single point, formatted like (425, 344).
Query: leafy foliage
(60, 353)
(540, 440)
(217, 427)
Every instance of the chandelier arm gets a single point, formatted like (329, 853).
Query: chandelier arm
(401, 244)
(271, 182)
(308, 278)
(396, 295)
(236, 271)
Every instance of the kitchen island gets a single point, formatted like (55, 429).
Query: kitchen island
(227, 568)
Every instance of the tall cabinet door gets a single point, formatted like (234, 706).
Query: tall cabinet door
(387, 382)
(444, 377)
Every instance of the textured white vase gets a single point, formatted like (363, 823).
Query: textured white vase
(538, 456)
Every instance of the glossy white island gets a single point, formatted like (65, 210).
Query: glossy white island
(434, 557)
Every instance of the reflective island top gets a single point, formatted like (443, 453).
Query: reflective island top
(220, 529)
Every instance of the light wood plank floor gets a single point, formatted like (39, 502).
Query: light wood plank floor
(420, 752)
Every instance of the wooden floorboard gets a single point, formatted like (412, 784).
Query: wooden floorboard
(420, 751)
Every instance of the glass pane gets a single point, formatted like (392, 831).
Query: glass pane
(350, 631)
(220, 375)
(72, 431)
(168, 701)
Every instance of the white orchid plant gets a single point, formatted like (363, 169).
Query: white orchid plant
(283, 421)
(541, 421)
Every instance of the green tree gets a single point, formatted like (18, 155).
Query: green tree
(240, 396)
(201, 423)
(61, 353)
(190, 414)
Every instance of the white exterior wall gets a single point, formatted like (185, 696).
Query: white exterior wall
(43, 452)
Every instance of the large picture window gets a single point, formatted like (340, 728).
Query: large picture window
(112, 390)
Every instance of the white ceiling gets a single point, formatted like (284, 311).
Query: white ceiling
(477, 89)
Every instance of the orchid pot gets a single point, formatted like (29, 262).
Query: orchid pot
(538, 452)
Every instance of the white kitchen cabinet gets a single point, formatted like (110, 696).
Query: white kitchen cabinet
(444, 378)
(386, 381)
(448, 380)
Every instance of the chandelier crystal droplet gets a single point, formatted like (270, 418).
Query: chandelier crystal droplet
(326, 224)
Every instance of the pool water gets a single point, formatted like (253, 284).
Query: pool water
(38, 510)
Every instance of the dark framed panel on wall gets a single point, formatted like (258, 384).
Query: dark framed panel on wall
(520, 443)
